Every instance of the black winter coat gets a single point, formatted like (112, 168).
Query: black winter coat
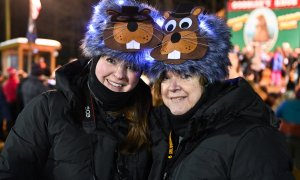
(231, 136)
(32, 87)
(48, 141)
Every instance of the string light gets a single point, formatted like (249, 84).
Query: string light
(160, 22)
(91, 28)
(96, 9)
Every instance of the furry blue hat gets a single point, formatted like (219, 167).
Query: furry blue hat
(121, 29)
(193, 43)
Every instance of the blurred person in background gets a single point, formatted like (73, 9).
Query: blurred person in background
(289, 113)
(5, 115)
(235, 68)
(44, 67)
(23, 76)
(248, 54)
(9, 88)
(297, 52)
(277, 67)
(35, 84)
(257, 65)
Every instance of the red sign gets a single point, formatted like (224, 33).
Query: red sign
(243, 5)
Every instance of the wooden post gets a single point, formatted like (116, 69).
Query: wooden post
(52, 61)
(7, 20)
(30, 54)
(20, 58)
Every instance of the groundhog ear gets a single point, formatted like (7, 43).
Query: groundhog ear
(196, 11)
(166, 14)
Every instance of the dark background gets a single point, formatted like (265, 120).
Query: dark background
(66, 20)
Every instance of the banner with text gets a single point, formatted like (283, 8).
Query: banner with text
(266, 22)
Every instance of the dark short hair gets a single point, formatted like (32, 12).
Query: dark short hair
(36, 70)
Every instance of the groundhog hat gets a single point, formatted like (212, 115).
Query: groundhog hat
(121, 29)
(194, 42)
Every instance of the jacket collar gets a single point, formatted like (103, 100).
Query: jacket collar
(229, 101)
(71, 77)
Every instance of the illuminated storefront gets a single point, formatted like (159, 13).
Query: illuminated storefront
(20, 54)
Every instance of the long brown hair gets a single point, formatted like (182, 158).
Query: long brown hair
(156, 93)
(137, 118)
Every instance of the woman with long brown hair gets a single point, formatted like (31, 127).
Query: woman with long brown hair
(94, 125)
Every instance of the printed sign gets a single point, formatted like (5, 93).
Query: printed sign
(269, 23)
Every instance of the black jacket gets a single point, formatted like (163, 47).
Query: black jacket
(48, 140)
(32, 87)
(231, 136)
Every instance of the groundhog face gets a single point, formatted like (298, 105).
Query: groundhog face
(131, 30)
(182, 40)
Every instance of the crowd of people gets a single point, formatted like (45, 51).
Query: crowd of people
(277, 76)
(276, 71)
(207, 112)
(18, 88)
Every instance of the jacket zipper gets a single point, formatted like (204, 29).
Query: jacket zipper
(178, 170)
(175, 161)
(178, 159)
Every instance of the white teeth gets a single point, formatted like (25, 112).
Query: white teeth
(115, 84)
(133, 45)
(174, 55)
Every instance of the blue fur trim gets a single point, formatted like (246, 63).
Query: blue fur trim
(214, 65)
(93, 46)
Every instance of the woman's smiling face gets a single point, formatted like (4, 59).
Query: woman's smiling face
(117, 75)
(180, 92)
